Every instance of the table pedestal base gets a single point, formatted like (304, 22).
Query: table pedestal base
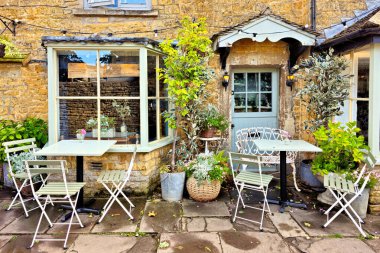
(83, 209)
(284, 204)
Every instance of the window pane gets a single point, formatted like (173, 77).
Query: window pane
(163, 86)
(77, 73)
(152, 76)
(266, 102)
(143, 2)
(164, 106)
(120, 120)
(266, 81)
(253, 81)
(239, 103)
(363, 77)
(362, 118)
(119, 73)
(73, 115)
(239, 82)
(253, 102)
(152, 119)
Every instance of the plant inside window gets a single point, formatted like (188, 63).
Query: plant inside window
(123, 4)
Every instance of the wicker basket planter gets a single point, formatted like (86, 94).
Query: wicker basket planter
(206, 191)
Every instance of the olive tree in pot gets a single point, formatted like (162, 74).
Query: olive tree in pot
(326, 87)
(186, 73)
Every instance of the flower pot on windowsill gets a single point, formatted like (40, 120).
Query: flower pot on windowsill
(104, 133)
(208, 133)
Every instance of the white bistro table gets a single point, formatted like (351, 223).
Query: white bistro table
(79, 149)
(283, 146)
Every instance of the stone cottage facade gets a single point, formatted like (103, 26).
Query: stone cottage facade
(85, 55)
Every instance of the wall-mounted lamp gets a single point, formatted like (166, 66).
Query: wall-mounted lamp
(226, 79)
(290, 79)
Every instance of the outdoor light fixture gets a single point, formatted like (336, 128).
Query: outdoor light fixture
(290, 79)
(226, 79)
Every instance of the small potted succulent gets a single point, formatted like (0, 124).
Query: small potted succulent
(205, 175)
(211, 120)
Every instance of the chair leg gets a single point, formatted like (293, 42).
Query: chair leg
(239, 198)
(125, 197)
(18, 195)
(43, 212)
(294, 176)
(43, 181)
(74, 212)
(39, 221)
(266, 200)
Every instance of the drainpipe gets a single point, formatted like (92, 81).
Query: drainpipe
(313, 15)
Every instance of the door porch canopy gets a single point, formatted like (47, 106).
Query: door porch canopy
(265, 27)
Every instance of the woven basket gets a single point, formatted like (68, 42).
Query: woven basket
(206, 191)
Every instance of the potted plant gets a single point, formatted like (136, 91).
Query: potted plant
(325, 88)
(186, 73)
(81, 133)
(342, 153)
(210, 120)
(205, 175)
(123, 110)
(107, 126)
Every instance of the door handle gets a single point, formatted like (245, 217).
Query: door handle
(232, 126)
(232, 92)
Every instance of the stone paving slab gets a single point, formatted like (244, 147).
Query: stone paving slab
(218, 224)
(336, 245)
(20, 244)
(193, 224)
(372, 224)
(312, 221)
(286, 226)
(4, 239)
(87, 220)
(23, 225)
(167, 217)
(107, 243)
(191, 243)
(374, 244)
(117, 220)
(6, 217)
(236, 242)
(251, 214)
(209, 209)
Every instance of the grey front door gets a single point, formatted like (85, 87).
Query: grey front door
(254, 99)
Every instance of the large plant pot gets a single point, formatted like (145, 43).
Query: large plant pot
(205, 191)
(8, 182)
(172, 185)
(307, 177)
(208, 133)
(360, 205)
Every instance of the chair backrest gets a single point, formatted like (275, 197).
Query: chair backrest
(46, 167)
(13, 147)
(237, 159)
(369, 164)
(245, 141)
(131, 163)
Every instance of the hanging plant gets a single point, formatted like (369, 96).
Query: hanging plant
(10, 50)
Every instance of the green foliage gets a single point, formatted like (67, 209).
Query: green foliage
(29, 128)
(342, 149)
(105, 122)
(210, 117)
(186, 74)
(326, 87)
(209, 167)
(10, 49)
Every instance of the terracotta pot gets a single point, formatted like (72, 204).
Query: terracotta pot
(27, 190)
(208, 133)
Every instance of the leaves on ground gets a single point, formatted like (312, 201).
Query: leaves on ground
(307, 224)
(152, 214)
(207, 249)
(163, 245)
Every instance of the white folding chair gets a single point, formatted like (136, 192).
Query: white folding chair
(118, 180)
(14, 147)
(340, 187)
(58, 191)
(251, 181)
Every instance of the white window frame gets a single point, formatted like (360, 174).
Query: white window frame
(53, 96)
(122, 6)
(373, 100)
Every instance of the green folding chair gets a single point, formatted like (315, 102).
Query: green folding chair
(14, 147)
(58, 191)
(340, 188)
(256, 181)
(118, 180)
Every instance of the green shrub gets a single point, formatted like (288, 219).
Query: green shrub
(29, 128)
(342, 149)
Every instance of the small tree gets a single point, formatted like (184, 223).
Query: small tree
(186, 71)
(326, 87)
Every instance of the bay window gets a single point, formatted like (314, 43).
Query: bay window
(112, 92)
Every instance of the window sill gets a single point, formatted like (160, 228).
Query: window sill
(145, 149)
(115, 13)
